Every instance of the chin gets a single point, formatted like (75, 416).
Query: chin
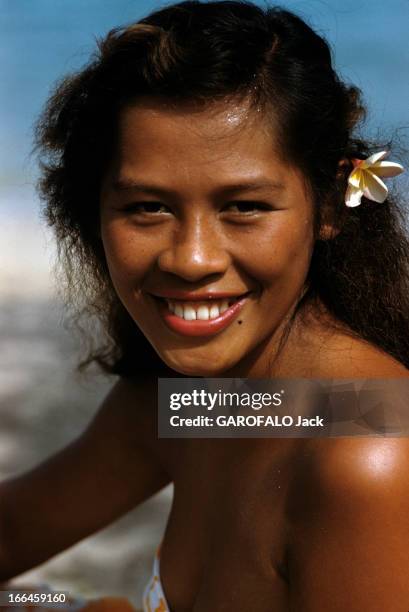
(208, 368)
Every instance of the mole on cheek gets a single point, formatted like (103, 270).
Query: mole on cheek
(239, 322)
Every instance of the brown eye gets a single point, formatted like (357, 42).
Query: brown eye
(147, 208)
(246, 207)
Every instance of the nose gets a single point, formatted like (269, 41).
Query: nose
(196, 250)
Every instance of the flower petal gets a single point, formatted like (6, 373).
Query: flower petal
(353, 196)
(387, 169)
(355, 178)
(374, 188)
(376, 157)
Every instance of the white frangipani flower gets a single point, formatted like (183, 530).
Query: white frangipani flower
(365, 180)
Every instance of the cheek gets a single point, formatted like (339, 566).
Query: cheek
(283, 251)
(128, 255)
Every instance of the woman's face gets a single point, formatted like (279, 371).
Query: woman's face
(207, 232)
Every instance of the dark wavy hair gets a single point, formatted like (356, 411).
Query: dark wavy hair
(201, 52)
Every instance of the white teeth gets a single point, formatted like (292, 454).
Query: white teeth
(214, 311)
(179, 310)
(190, 311)
(203, 313)
(224, 306)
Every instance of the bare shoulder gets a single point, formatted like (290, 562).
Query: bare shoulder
(349, 513)
(349, 357)
(354, 471)
(371, 362)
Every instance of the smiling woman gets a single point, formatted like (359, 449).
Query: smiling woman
(215, 210)
(184, 266)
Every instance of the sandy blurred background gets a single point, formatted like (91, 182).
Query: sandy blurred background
(43, 404)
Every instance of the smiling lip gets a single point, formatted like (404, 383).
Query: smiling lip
(196, 296)
(200, 327)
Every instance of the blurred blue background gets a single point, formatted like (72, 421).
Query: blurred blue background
(42, 404)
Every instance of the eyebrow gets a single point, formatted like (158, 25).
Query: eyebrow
(125, 184)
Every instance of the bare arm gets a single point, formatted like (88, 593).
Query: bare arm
(101, 475)
(349, 547)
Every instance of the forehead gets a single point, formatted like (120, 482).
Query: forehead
(226, 141)
(221, 128)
